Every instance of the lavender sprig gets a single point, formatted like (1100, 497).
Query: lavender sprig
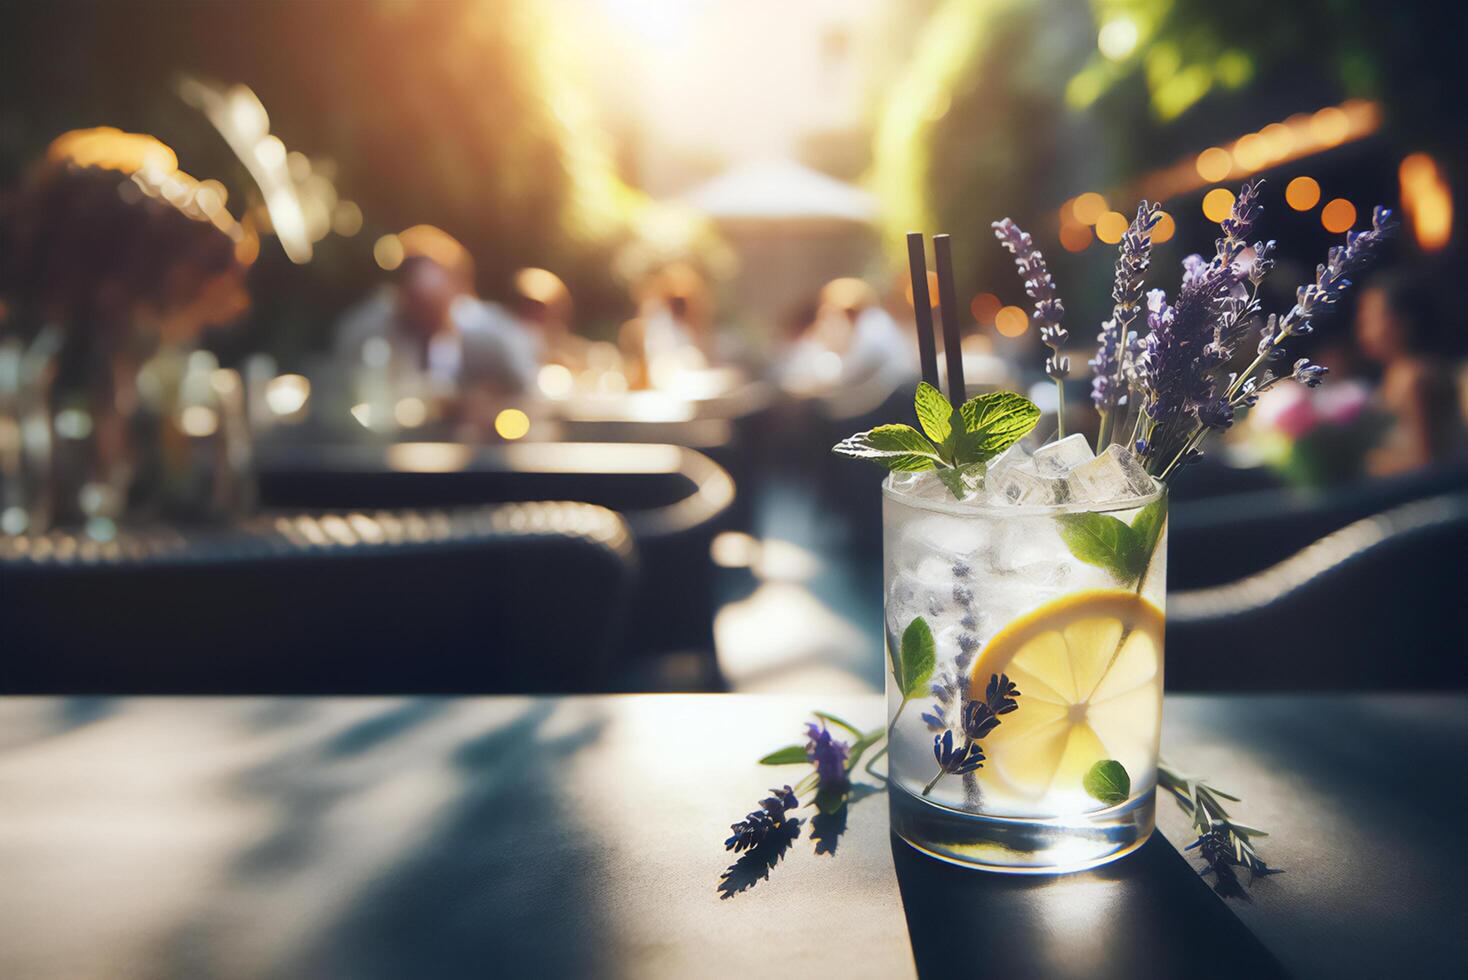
(1049, 310)
(977, 718)
(1108, 387)
(828, 754)
(754, 829)
(1222, 842)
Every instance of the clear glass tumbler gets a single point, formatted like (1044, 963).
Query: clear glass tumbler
(1024, 689)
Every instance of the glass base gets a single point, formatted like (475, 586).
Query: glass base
(1020, 845)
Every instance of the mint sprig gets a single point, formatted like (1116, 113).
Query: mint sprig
(955, 441)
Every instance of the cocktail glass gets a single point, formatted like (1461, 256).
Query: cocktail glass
(1060, 602)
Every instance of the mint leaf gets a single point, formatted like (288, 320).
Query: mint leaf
(915, 666)
(1103, 541)
(1107, 782)
(1147, 526)
(897, 447)
(933, 412)
(963, 480)
(787, 756)
(992, 423)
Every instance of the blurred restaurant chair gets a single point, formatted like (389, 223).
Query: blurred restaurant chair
(1376, 605)
(1222, 538)
(505, 599)
(674, 499)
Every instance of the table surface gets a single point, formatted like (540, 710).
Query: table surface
(366, 838)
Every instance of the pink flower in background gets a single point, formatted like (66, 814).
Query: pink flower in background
(1341, 403)
(1289, 411)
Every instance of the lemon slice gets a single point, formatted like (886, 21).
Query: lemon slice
(1089, 670)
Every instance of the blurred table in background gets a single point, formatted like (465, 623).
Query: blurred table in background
(578, 837)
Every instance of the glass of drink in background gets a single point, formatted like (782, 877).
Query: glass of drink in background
(1025, 633)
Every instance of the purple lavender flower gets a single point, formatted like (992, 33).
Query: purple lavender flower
(982, 717)
(1330, 280)
(956, 761)
(1134, 257)
(1187, 344)
(828, 754)
(1309, 375)
(1040, 287)
(753, 830)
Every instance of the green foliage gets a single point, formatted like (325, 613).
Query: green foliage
(1111, 544)
(788, 756)
(900, 448)
(1107, 782)
(966, 437)
(912, 666)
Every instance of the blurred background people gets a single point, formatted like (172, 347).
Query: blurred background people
(672, 331)
(1400, 328)
(851, 339)
(541, 304)
(428, 333)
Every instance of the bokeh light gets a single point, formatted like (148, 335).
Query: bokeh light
(1214, 164)
(1011, 321)
(1302, 193)
(1117, 38)
(1088, 207)
(1111, 226)
(512, 424)
(287, 394)
(1164, 229)
(1217, 203)
(1251, 152)
(984, 307)
(1330, 126)
(1338, 216)
(555, 381)
(388, 252)
(1427, 201)
(932, 291)
(1075, 237)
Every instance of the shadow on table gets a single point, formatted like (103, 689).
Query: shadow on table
(465, 905)
(1147, 915)
(501, 881)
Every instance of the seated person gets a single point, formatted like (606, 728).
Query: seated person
(671, 331)
(542, 305)
(1395, 325)
(429, 331)
(851, 339)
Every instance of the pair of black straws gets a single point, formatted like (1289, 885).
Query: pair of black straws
(922, 306)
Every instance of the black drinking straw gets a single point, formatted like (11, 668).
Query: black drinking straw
(922, 307)
(948, 306)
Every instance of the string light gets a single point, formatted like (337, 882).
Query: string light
(1164, 229)
(1427, 201)
(1111, 226)
(1302, 193)
(1218, 203)
(1214, 164)
(1088, 208)
(1338, 216)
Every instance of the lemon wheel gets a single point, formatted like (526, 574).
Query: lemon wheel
(1089, 670)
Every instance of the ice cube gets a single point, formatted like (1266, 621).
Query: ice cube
(1012, 456)
(1021, 484)
(1114, 475)
(1056, 459)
